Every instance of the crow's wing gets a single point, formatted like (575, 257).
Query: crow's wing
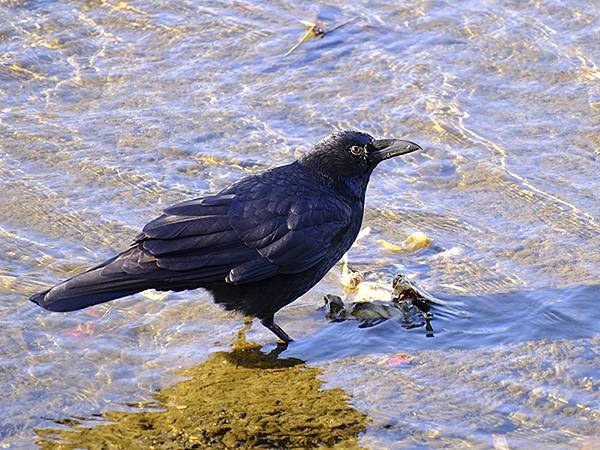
(196, 237)
(260, 227)
(293, 225)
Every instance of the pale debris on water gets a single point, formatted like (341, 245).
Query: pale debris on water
(155, 295)
(368, 291)
(313, 30)
(316, 30)
(353, 281)
(415, 242)
(451, 252)
(351, 278)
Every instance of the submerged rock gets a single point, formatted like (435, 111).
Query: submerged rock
(404, 291)
(368, 313)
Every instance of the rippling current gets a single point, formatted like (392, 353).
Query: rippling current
(110, 111)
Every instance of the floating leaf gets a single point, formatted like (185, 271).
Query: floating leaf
(416, 241)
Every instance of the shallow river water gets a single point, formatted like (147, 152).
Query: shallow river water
(112, 110)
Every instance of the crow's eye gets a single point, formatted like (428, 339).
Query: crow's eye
(356, 150)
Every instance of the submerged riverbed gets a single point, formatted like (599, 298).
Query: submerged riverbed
(111, 111)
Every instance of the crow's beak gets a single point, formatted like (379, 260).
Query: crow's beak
(388, 148)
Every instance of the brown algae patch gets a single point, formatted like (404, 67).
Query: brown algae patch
(239, 399)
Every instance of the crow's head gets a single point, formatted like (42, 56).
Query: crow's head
(352, 153)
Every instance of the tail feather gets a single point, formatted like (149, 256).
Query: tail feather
(51, 303)
(102, 283)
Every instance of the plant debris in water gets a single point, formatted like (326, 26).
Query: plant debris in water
(413, 243)
(408, 304)
(239, 399)
(315, 30)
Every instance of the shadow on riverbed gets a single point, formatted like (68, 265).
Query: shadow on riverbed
(238, 399)
(246, 398)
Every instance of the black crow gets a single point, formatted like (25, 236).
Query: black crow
(257, 245)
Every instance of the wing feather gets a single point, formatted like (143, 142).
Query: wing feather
(195, 237)
(272, 223)
(292, 229)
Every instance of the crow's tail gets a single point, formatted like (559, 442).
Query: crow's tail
(117, 277)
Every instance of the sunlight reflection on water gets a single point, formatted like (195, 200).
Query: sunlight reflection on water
(111, 111)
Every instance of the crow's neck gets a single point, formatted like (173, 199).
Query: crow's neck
(353, 187)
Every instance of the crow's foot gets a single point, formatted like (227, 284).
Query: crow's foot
(276, 329)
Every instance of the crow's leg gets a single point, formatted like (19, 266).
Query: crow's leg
(268, 322)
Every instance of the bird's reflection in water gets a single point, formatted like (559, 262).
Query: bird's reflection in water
(243, 398)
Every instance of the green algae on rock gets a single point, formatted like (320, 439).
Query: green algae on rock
(239, 399)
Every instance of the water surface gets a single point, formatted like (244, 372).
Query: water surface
(110, 111)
